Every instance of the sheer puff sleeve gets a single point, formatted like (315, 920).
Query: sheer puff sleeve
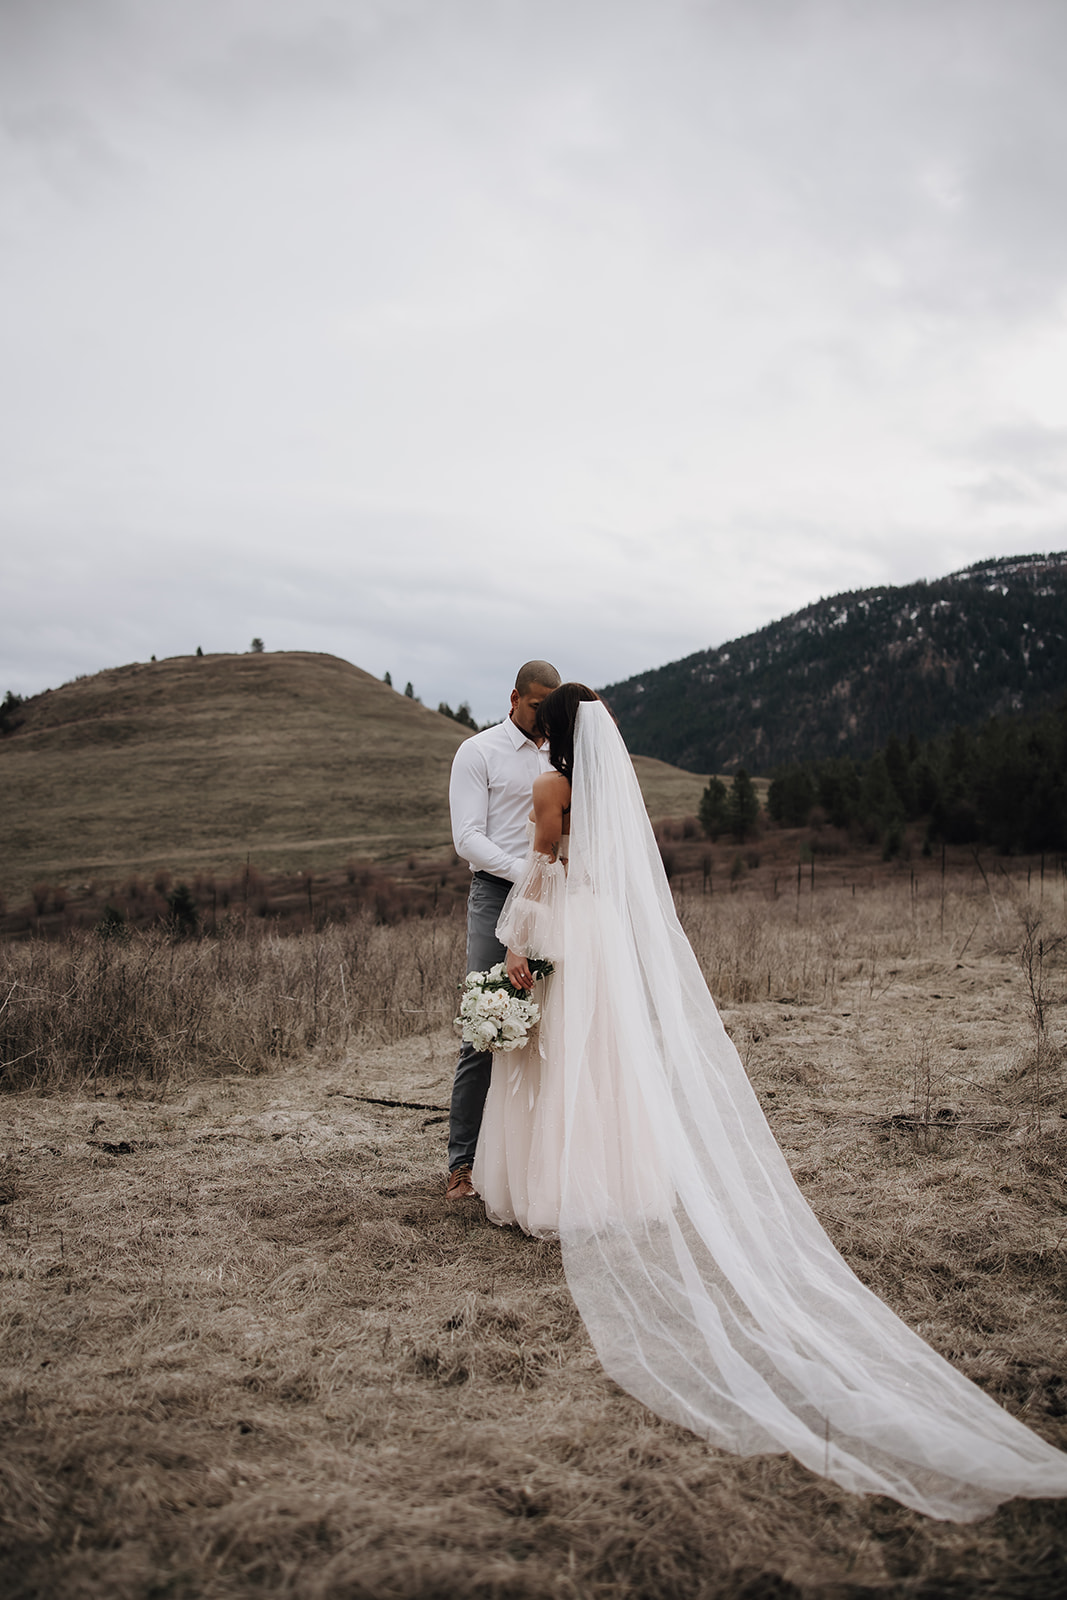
(531, 922)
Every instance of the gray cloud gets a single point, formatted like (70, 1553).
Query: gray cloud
(413, 331)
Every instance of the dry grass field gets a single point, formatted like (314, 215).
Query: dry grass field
(247, 1351)
(197, 765)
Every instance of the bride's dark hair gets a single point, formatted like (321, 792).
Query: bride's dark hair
(555, 722)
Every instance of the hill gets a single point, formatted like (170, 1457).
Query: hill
(295, 759)
(841, 676)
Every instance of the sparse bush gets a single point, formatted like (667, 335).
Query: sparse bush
(894, 841)
(112, 924)
(183, 918)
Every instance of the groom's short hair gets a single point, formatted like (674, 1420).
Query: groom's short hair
(536, 672)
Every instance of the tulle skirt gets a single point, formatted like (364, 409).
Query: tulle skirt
(527, 1137)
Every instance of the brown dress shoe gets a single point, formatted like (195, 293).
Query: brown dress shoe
(459, 1185)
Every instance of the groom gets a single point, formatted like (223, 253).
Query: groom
(489, 798)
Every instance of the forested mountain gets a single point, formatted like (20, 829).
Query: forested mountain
(841, 676)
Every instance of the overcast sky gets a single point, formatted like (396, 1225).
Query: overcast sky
(441, 333)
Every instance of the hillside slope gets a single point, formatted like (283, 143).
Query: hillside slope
(295, 759)
(842, 675)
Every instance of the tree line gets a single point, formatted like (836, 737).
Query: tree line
(1002, 783)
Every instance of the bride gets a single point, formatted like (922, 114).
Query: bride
(627, 1127)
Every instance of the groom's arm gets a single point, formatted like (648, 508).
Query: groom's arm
(468, 802)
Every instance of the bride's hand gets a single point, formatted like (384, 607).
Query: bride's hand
(519, 974)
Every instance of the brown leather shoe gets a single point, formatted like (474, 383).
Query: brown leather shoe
(459, 1185)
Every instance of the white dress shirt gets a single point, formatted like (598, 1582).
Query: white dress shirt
(489, 796)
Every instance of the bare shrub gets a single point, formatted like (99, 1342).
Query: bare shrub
(1035, 957)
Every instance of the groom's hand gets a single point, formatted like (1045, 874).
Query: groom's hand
(519, 974)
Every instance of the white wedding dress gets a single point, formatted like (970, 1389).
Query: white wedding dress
(711, 1293)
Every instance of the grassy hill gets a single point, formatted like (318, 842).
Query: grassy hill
(297, 760)
(841, 676)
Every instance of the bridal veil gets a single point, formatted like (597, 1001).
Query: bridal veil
(708, 1287)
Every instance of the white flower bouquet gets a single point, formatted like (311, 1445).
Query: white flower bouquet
(493, 1014)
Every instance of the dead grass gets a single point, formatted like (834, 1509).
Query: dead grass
(147, 1007)
(194, 763)
(246, 1350)
(293, 759)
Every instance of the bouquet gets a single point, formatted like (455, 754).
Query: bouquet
(493, 1014)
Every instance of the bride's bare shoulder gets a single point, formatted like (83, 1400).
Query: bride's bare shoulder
(551, 787)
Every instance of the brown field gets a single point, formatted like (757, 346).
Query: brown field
(197, 766)
(246, 1350)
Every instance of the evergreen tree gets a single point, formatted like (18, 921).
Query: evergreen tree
(712, 809)
(388, 680)
(791, 796)
(878, 799)
(898, 765)
(927, 789)
(743, 809)
(839, 790)
(8, 708)
(409, 690)
(256, 646)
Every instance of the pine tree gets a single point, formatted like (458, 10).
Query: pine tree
(743, 809)
(8, 707)
(712, 809)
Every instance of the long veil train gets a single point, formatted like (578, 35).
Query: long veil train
(722, 1304)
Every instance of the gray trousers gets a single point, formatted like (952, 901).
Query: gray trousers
(474, 1069)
